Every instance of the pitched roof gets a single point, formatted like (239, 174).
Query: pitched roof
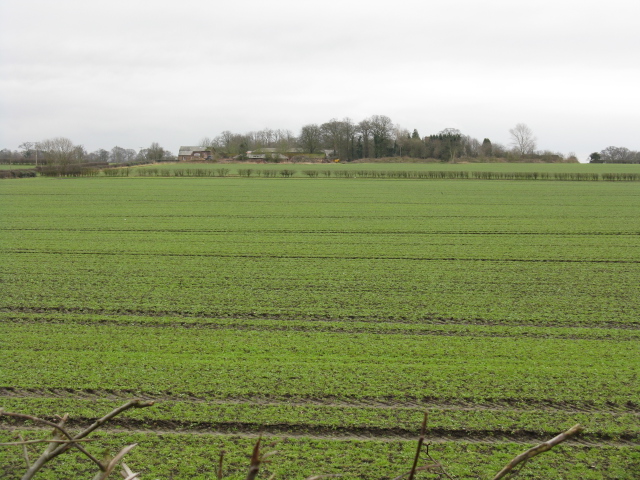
(190, 150)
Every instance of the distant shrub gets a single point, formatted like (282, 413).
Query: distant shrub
(72, 170)
(147, 172)
(116, 172)
(621, 177)
(576, 176)
(18, 173)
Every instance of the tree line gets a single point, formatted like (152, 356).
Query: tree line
(62, 151)
(378, 137)
(374, 137)
(615, 155)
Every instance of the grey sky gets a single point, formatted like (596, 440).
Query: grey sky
(128, 72)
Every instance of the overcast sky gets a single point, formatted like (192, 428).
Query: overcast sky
(131, 72)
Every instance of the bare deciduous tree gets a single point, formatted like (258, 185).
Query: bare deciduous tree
(365, 130)
(348, 147)
(522, 139)
(60, 151)
(155, 152)
(339, 136)
(618, 155)
(382, 129)
(310, 137)
(117, 155)
(26, 150)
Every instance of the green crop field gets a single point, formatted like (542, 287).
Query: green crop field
(328, 314)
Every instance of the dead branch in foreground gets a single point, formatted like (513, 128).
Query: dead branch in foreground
(62, 441)
(434, 466)
(437, 469)
(532, 452)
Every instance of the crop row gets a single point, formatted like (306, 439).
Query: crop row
(235, 363)
(324, 419)
(401, 246)
(425, 229)
(385, 194)
(162, 457)
(536, 293)
(336, 209)
(435, 327)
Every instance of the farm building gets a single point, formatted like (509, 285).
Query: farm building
(191, 154)
(271, 153)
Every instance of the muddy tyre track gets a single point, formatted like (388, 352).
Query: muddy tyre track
(436, 435)
(185, 319)
(380, 403)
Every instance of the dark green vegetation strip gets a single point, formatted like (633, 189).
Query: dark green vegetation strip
(399, 326)
(419, 171)
(421, 174)
(334, 309)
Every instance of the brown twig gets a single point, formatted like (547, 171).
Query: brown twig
(435, 465)
(98, 423)
(114, 461)
(59, 429)
(25, 452)
(57, 434)
(423, 431)
(255, 461)
(36, 419)
(220, 462)
(58, 445)
(127, 473)
(44, 440)
(543, 447)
